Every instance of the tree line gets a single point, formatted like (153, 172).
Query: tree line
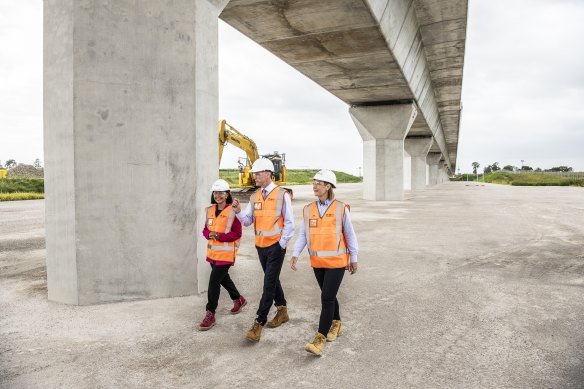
(11, 163)
(495, 167)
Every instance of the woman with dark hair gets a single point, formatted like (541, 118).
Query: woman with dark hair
(223, 231)
(332, 246)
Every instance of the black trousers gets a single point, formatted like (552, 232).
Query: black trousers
(220, 277)
(271, 258)
(329, 281)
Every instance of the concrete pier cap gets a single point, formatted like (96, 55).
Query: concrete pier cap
(383, 129)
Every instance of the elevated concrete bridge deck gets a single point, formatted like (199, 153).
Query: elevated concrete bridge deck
(371, 52)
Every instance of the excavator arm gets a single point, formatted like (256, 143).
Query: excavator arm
(229, 134)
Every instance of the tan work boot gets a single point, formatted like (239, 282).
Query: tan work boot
(281, 317)
(317, 344)
(335, 330)
(255, 332)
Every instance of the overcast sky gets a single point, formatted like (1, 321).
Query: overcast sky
(522, 91)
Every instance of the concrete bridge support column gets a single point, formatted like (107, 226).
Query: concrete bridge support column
(383, 129)
(418, 148)
(130, 111)
(433, 159)
(443, 172)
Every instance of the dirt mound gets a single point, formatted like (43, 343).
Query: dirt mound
(26, 171)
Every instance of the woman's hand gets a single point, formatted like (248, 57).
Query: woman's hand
(293, 263)
(352, 268)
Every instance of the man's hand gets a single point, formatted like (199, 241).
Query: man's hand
(236, 206)
(293, 263)
(352, 268)
(214, 235)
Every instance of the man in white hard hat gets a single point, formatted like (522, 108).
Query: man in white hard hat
(270, 211)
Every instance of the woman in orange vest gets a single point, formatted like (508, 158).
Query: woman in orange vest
(332, 247)
(223, 231)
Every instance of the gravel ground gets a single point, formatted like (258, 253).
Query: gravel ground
(459, 286)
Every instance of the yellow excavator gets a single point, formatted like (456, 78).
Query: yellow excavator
(228, 134)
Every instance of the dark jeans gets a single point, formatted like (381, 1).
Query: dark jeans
(271, 258)
(220, 277)
(329, 281)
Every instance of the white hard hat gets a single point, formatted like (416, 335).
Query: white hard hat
(262, 165)
(220, 186)
(326, 176)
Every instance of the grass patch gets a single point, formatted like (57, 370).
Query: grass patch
(22, 185)
(532, 179)
(295, 177)
(15, 196)
(231, 176)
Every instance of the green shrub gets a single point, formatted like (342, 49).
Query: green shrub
(26, 185)
(295, 176)
(532, 179)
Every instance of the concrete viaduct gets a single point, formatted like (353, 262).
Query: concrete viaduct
(130, 111)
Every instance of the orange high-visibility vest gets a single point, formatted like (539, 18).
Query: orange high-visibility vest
(267, 215)
(325, 240)
(221, 251)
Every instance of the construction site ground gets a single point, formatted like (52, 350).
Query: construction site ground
(462, 285)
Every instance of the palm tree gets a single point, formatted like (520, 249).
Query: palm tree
(475, 166)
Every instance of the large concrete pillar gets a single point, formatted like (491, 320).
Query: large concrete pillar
(417, 148)
(443, 175)
(130, 111)
(444, 172)
(383, 129)
(433, 159)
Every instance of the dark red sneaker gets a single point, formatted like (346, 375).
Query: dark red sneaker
(238, 304)
(208, 321)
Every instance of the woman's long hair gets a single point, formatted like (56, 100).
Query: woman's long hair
(330, 194)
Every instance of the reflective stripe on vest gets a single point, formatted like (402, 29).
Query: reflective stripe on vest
(333, 255)
(268, 228)
(221, 251)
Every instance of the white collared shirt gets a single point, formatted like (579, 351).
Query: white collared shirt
(246, 216)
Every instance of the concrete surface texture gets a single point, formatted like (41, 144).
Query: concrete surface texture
(130, 105)
(371, 51)
(460, 286)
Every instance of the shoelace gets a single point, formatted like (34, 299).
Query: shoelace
(208, 316)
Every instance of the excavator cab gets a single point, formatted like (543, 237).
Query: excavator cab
(279, 161)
